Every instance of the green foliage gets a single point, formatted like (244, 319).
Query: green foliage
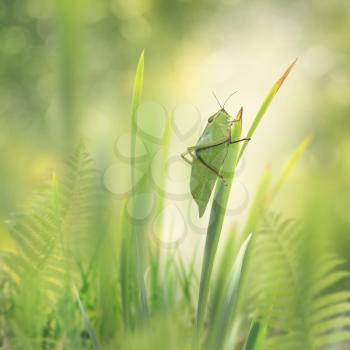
(51, 236)
(298, 291)
(138, 203)
(265, 105)
(80, 280)
(256, 336)
(220, 334)
(77, 273)
(222, 193)
(217, 215)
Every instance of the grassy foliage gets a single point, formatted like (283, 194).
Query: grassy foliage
(302, 298)
(54, 252)
(222, 195)
(84, 275)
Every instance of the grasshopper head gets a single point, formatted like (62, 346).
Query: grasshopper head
(219, 117)
(222, 112)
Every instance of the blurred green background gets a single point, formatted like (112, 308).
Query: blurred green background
(66, 71)
(66, 78)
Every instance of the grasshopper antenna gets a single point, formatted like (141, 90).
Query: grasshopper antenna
(217, 100)
(228, 98)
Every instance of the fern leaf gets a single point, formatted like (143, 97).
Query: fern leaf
(297, 292)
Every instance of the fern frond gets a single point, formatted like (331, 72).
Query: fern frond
(296, 292)
(51, 237)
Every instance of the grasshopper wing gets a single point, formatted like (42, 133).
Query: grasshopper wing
(205, 170)
(202, 183)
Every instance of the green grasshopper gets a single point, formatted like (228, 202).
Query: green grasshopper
(208, 155)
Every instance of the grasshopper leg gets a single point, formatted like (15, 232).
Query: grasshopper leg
(190, 151)
(183, 156)
(210, 167)
(197, 156)
(209, 145)
(240, 140)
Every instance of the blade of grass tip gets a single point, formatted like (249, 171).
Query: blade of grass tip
(217, 214)
(265, 105)
(256, 336)
(135, 103)
(138, 88)
(288, 167)
(220, 330)
(86, 319)
(139, 246)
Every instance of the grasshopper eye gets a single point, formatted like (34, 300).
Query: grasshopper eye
(211, 119)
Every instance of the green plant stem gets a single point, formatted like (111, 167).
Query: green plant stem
(85, 318)
(221, 197)
(256, 336)
(217, 214)
(124, 270)
(221, 327)
(137, 233)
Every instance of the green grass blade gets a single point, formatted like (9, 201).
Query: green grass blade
(86, 319)
(221, 327)
(293, 159)
(137, 92)
(155, 252)
(264, 195)
(183, 276)
(217, 214)
(124, 270)
(138, 239)
(258, 205)
(265, 105)
(221, 272)
(256, 336)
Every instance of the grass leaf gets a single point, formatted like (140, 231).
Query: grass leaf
(291, 162)
(138, 238)
(221, 327)
(265, 105)
(256, 336)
